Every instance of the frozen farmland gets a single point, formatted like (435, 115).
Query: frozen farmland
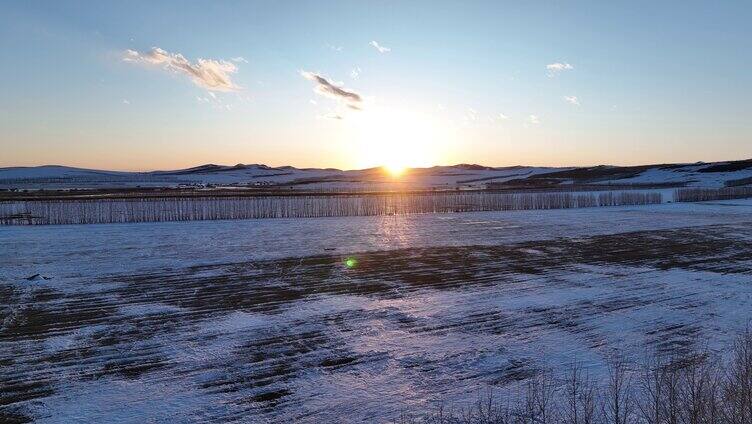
(353, 319)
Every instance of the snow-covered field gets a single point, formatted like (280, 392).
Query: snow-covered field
(262, 321)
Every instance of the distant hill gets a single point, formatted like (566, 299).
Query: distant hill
(701, 174)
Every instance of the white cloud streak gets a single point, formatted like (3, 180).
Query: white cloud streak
(533, 120)
(213, 75)
(573, 100)
(555, 68)
(325, 88)
(239, 59)
(559, 66)
(380, 48)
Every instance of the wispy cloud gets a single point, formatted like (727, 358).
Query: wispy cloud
(503, 117)
(334, 116)
(380, 48)
(210, 74)
(126, 102)
(533, 120)
(555, 68)
(334, 48)
(239, 59)
(573, 100)
(355, 73)
(214, 101)
(325, 88)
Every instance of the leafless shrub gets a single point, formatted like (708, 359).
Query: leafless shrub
(680, 389)
(618, 400)
(538, 402)
(737, 383)
(580, 400)
(487, 409)
(652, 389)
(698, 391)
(696, 388)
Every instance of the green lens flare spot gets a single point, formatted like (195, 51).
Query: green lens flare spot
(351, 262)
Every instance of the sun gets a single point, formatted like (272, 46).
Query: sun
(395, 170)
(395, 140)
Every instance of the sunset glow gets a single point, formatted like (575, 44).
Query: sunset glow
(396, 139)
(118, 89)
(395, 171)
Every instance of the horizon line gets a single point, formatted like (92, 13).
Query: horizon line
(368, 168)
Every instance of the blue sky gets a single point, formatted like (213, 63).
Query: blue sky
(649, 83)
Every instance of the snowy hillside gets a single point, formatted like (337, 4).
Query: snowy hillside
(716, 174)
(51, 177)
